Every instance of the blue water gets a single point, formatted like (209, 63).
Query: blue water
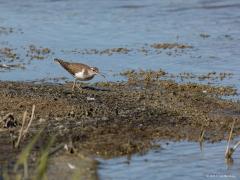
(68, 25)
(177, 160)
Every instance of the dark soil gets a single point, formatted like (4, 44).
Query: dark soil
(121, 118)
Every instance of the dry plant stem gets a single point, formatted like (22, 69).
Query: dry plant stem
(228, 153)
(30, 122)
(236, 145)
(21, 130)
(202, 134)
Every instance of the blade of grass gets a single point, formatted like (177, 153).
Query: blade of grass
(23, 157)
(43, 161)
(5, 174)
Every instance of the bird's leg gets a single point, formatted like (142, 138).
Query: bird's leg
(78, 86)
(74, 83)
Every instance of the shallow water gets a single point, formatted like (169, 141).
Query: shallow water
(176, 160)
(64, 26)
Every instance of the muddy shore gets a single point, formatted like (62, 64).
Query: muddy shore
(118, 118)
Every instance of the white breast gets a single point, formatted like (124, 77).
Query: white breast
(84, 77)
(80, 75)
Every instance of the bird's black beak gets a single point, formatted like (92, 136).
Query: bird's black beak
(102, 75)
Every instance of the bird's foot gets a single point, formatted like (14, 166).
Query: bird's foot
(80, 88)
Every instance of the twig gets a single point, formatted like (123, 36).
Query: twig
(229, 151)
(21, 130)
(30, 122)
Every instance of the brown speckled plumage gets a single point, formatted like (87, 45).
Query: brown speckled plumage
(80, 71)
(73, 68)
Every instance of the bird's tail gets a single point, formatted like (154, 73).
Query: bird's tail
(64, 64)
(58, 60)
(61, 62)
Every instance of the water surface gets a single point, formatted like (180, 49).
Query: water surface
(175, 160)
(64, 26)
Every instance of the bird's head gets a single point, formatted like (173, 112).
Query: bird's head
(94, 70)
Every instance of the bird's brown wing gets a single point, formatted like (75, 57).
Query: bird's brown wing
(72, 68)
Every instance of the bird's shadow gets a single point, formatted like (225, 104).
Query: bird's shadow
(95, 88)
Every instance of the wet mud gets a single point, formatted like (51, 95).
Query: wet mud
(146, 49)
(112, 119)
(9, 30)
(12, 59)
(38, 52)
(109, 119)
